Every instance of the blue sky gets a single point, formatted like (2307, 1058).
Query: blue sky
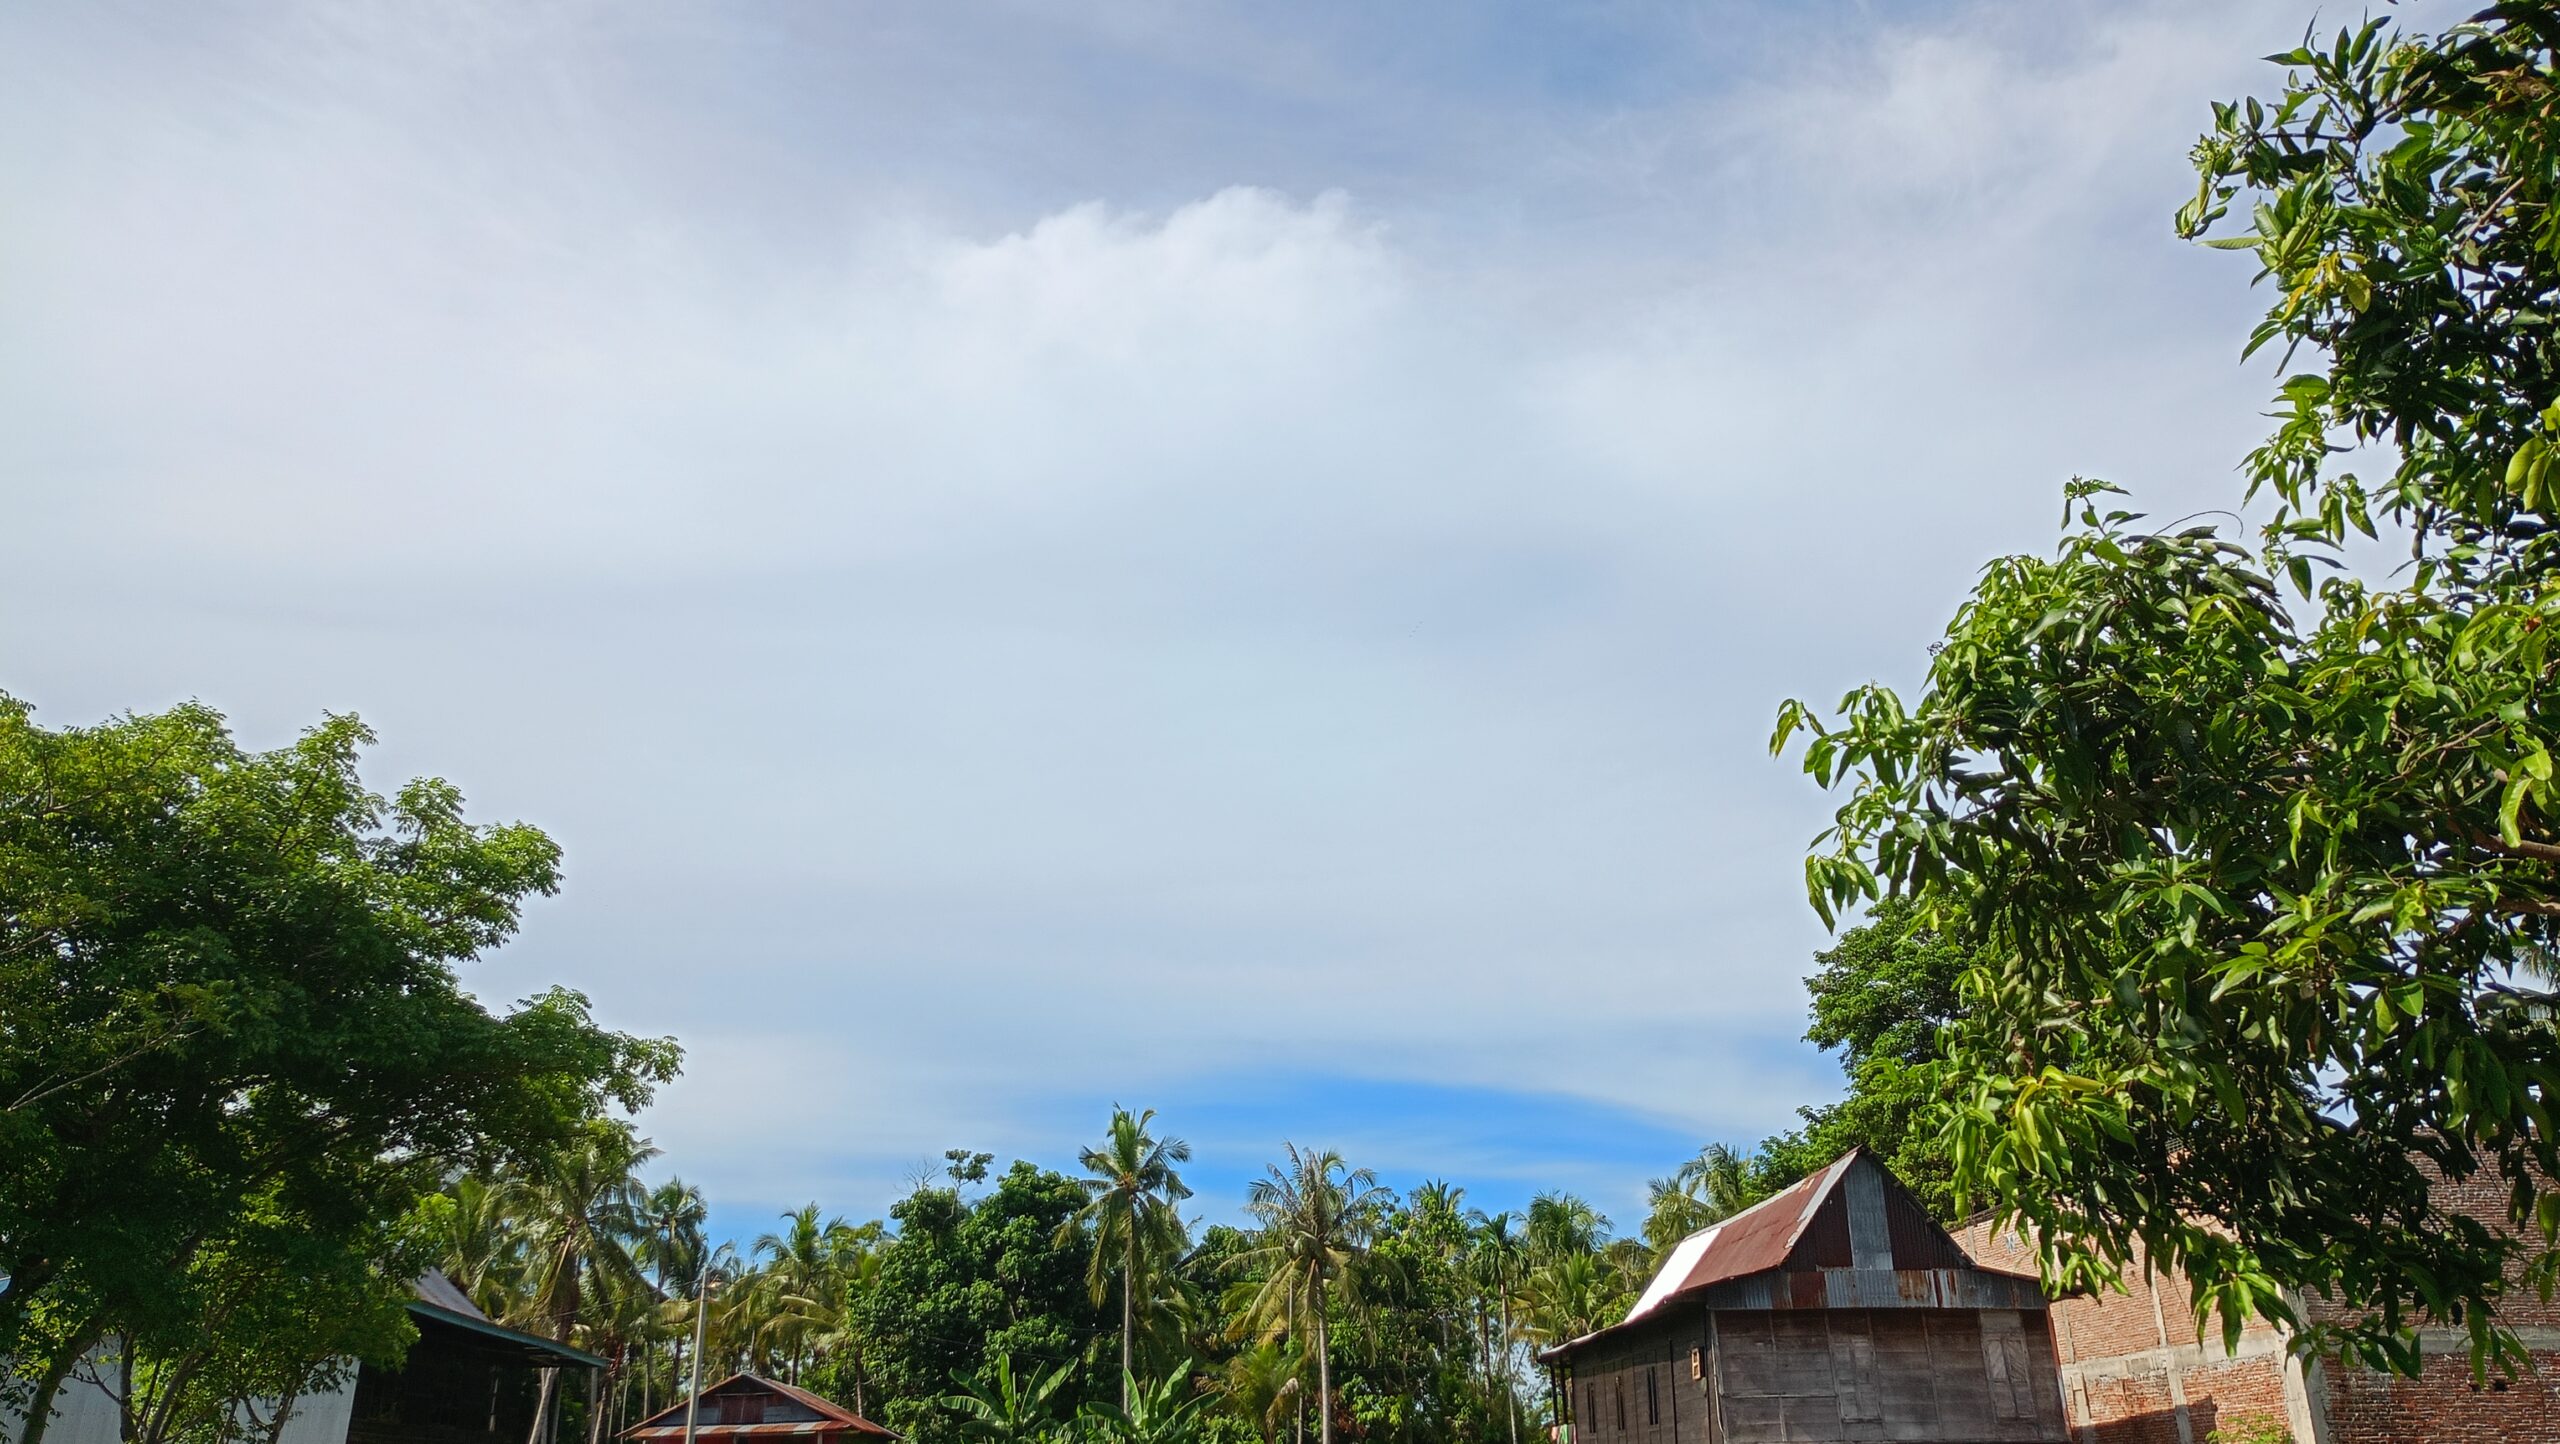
(1236, 559)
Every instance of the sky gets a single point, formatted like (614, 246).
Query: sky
(1226, 558)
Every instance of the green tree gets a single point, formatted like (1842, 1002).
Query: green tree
(229, 984)
(1569, 1295)
(286, 1309)
(1316, 1216)
(1559, 1224)
(672, 1246)
(1497, 1256)
(578, 1206)
(2251, 889)
(1131, 1190)
(1263, 1385)
(475, 1241)
(803, 1279)
(1886, 998)
(967, 1280)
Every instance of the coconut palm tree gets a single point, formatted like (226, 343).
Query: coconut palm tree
(857, 1274)
(802, 1278)
(1562, 1223)
(1130, 1191)
(671, 1244)
(1317, 1216)
(1495, 1257)
(579, 1209)
(1260, 1385)
(478, 1244)
(1572, 1295)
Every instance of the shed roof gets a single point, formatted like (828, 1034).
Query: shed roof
(439, 1301)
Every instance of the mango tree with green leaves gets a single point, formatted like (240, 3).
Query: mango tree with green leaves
(2261, 856)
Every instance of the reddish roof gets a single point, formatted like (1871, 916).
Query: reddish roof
(1766, 1237)
(833, 1419)
(1760, 1237)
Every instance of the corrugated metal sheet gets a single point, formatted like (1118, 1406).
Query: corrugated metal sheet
(1756, 1239)
(1802, 1249)
(434, 1288)
(1918, 1241)
(737, 1431)
(744, 1406)
(1825, 1244)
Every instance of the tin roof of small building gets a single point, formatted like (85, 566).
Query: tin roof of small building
(438, 1299)
(833, 1418)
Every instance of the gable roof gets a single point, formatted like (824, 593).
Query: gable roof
(832, 1418)
(1803, 1228)
(1760, 1237)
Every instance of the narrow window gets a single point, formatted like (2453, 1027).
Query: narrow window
(1652, 1399)
(1622, 1403)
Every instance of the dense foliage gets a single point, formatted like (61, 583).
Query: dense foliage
(2261, 885)
(970, 1313)
(1883, 997)
(235, 1050)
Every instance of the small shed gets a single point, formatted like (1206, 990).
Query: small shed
(752, 1409)
(467, 1380)
(1838, 1310)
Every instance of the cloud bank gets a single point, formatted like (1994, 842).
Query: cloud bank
(1159, 555)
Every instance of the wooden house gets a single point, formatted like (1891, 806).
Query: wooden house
(752, 1409)
(1838, 1310)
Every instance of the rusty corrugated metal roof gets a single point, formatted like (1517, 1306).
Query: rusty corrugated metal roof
(833, 1418)
(1770, 1235)
(1760, 1237)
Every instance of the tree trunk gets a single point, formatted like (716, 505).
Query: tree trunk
(1324, 1376)
(1128, 1312)
(284, 1414)
(1509, 1393)
(595, 1408)
(542, 1405)
(157, 1421)
(49, 1383)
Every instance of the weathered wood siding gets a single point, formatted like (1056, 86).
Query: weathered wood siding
(1640, 1389)
(1946, 1376)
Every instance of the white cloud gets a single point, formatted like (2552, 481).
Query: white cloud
(984, 641)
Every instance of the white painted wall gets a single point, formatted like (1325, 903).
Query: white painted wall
(85, 1413)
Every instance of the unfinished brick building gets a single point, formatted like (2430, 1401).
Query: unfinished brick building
(2134, 1370)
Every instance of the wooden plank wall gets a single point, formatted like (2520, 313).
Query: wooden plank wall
(1640, 1391)
(1829, 1376)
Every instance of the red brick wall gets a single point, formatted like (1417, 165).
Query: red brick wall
(2131, 1361)
(2442, 1404)
(2127, 1357)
